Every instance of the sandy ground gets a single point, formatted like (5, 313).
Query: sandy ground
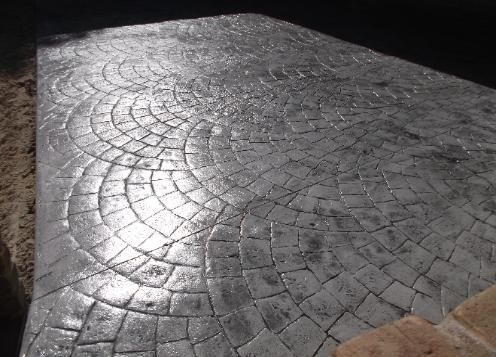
(17, 162)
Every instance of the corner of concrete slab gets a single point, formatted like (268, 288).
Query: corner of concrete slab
(468, 331)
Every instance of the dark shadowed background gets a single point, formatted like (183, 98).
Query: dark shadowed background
(453, 36)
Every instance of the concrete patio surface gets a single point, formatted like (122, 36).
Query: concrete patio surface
(240, 186)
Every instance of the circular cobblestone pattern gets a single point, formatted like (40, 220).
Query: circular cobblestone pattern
(241, 186)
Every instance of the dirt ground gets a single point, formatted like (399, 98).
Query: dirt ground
(17, 142)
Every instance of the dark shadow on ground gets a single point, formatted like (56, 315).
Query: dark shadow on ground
(17, 33)
(10, 336)
(450, 36)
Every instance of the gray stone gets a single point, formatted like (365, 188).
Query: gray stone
(171, 329)
(427, 308)
(438, 245)
(377, 254)
(255, 253)
(377, 312)
(98, 349)
(415, 256)
(401, 272)
(228, 294)
(450, 276)
(390, 237)
(200, 328)
(266, 344)
(278, 311)
(214, 346)
(263, 282)
(301, 284)
(322, 308)
(373, 278)
(137, 333)
(349, 291)
(324, 265)
(181, 348)
(399, 295)
(288, 259)
(185, 304)
(243, 325)
(102, 324)
(303, 337)
(348, 326)
(222, 267)
(327, 347)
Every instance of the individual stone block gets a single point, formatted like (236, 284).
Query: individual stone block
(254, 227)
(288, 258)
(414, 229)
(399, 295)
(303, 337)
(225, 233)
(348, 326)
(373, 278)
(137, 333)
(102, 349)
(415, 256)
(171, 329)
(322, 308)
(186, 279)
(283, 235)
(283, 215)
(266, 344)
(301, 284)
(324, 265)
(214, 346)
(390, 237)
(255, 253)
(152, 300)
(181, 348)
(186, 304)
(466, 260)
(200, 328)
(263, 282)
(327, 347)
(222, 267)
(371, 219)
(53, 342)
(71, 311)
(349, 291)
(377, 312)
(102, 324)
(243, 325)
(221, 249)
(228, 294)
(438, 245)
(426, 307)
(401, 272)
(376, 254)
(449, 275)
(278, 311)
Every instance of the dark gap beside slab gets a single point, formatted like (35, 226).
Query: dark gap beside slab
(450, 36)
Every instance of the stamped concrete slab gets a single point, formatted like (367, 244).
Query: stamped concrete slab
(238, 185)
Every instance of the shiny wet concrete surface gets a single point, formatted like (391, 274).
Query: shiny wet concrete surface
(238, 185)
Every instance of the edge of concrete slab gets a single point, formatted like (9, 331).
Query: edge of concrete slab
(469, 330)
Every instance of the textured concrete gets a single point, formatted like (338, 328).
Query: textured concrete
(409, 337)
(468, 331)
(242, 186)
(479, 315)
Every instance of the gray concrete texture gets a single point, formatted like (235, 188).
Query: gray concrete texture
(240, 186)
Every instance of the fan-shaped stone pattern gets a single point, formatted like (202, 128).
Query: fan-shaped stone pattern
(238, 185)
